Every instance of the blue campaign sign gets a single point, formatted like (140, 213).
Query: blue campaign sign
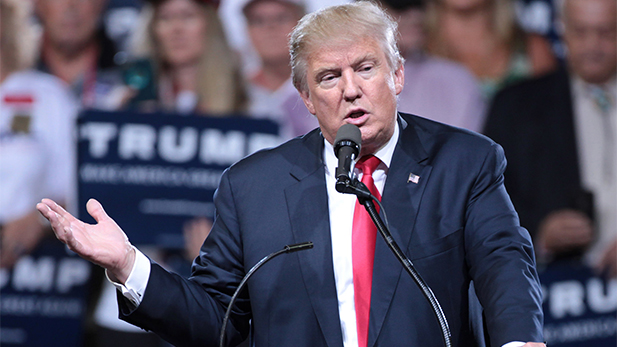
(580, 307)
(43, 298)
(153, 172)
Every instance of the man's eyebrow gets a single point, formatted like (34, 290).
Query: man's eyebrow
(324, 71)
(366, 57)
(359, 61)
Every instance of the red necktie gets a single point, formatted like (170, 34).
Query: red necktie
(363, 251)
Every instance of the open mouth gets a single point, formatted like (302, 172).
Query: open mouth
(356, 114)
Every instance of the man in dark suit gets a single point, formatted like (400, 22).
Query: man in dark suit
(442, 188)
(559, 132)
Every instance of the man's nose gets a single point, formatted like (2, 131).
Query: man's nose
(351, 86)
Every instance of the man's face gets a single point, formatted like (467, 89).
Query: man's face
(70, 23)
(351, 82)
(591, 37)
(269, 23)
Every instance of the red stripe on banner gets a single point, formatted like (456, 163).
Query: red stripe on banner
(18, 99)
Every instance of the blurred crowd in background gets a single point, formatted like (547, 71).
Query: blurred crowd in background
(537, 76)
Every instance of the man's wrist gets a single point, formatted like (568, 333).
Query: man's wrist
(137, 281)
(122, 273)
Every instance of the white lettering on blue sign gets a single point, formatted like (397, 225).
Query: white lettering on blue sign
(178, 149)
(137, 141)
(573, 298)
(34, 275)
(43, 274)
(599, 299)
(144, 142)
(99, 135)
(222, 149)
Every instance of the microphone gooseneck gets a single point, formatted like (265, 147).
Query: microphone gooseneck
(287, 249)
(368, 200)
(346, 148)
(403, 259)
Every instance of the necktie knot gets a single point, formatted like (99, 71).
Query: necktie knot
(368, 164)
(601, 98)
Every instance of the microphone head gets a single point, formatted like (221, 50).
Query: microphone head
(348, 135)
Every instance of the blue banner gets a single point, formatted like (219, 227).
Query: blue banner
(580, 306)
(44, 298)
(153, 172)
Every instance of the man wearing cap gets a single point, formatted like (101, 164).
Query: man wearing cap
(442, 188)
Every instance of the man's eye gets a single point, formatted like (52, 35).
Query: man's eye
(366, 68)
(327, 78)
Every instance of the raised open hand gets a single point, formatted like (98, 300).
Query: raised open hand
(103, 243)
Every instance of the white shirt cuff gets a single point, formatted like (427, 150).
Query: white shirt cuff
(514, 344)
(136, 283)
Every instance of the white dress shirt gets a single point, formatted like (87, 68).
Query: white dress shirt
(596, 135)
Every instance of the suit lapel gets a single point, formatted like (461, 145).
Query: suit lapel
(401, 201)
(307, 203)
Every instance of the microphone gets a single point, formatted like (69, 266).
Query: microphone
(287, 249)
(346, 148)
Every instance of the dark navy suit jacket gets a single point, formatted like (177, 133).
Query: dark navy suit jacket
(456, 224)
(534, 122)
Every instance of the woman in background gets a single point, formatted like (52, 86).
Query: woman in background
(483, 35)
(188, 65)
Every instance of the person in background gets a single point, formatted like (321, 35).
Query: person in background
(76, 49)
(37, 114)
(483, 36)
(434, 87)
(560, 134)
(270, 90)
(187, 66)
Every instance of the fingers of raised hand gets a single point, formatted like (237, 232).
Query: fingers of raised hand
(59, 210)
(60, 224)
(48, 213)
(95, 209)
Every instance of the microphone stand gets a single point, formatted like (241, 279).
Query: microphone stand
(366, 199)
(287, 249)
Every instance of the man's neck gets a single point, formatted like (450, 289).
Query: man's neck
(600, 82)
(3, 73)
(70, 64)
(272, 75)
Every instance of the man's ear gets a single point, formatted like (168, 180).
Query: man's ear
(399, 79)
(307, 101)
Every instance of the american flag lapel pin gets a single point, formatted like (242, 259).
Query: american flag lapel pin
(413, 178)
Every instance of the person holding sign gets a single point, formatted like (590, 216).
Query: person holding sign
(442, 188)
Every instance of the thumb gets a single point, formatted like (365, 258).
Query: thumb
(95, 209)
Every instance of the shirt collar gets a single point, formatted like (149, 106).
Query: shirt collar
(384, 154)
(601, 95)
